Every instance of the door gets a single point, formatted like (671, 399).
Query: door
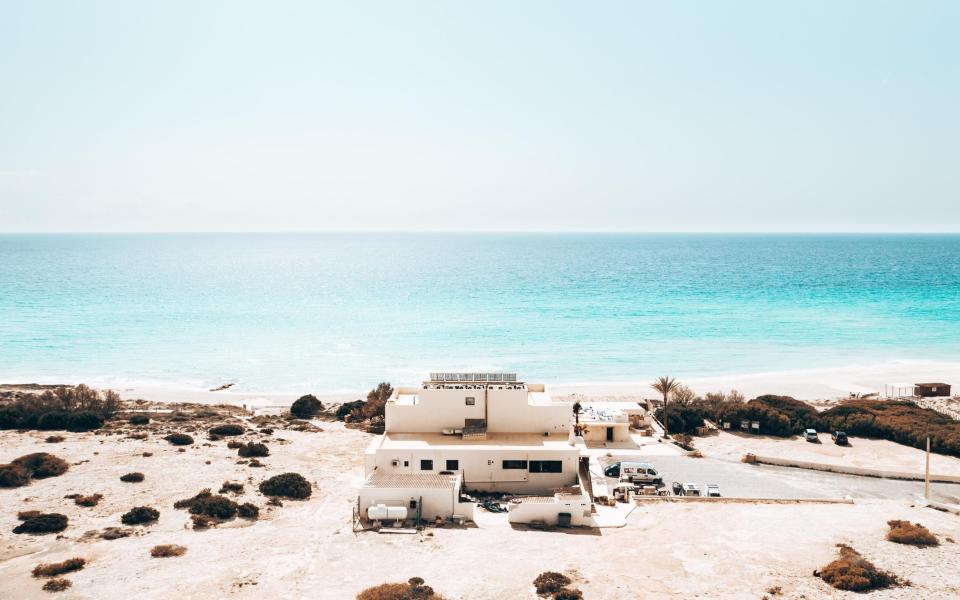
(609, 434)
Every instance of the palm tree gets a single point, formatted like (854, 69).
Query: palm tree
(665, 385)
(576, 411)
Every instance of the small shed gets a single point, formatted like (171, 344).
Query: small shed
(434, 495)
(561, 509)
(927, 390)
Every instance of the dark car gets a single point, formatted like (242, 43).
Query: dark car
(839, 438)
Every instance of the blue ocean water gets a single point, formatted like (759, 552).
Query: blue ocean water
(326, 312)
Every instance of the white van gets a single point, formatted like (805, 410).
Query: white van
(634, 472)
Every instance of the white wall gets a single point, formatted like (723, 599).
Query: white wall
(511, 412)
(549, 512)
(435, 410)
(482, 467)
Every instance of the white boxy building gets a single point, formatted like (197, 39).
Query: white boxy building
(470, 432)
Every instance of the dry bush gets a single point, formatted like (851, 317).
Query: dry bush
(140, 515)
(549, 582)
(287, 485)
(139, 435)
(135, 477)
(77, 408)
(205, 503)
(414, 589)
(234, 444)
(914, 534)
(854, 573)
(147, 454)
(775, 590)
(54, 569)
(115, 533)
(256, 463)
(179, 439)
(56, 585)
(566, 593)
(23, 515)
(12, 476)
(248, 511)
(91, 500)
(203, 521)
(43, 523)
(232, 487)
(139, 419)
(42, 465)
(166, 550)
(54, 439)
(306, 406)
(227, 429)
(252, 449)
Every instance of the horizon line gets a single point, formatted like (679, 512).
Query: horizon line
(481, 232)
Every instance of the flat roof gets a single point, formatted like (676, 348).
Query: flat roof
(513, 441)
(933, 384)
(408, 480)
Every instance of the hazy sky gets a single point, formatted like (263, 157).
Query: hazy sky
(703, 116)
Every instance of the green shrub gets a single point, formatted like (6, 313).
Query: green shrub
(306, 406)
(227, 429)
(43, 523)
(253, 449)
(57, 585)
(52, 420)
(42, 465)
(248, 510)
(566, 593)
(140, 515)
(179, 439)
(53, 569)
(84, 421)
(414, 589)
(287, 485)
(231, 487)
(898, 421)
(348, 407)
(205, 503)
(683, 418)
(132, 478)
(54, 439)
(139, 419)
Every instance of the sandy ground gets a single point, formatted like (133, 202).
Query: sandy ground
(866, 453)
(306, 549)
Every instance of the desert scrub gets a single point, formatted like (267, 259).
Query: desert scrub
(90, 500)
(115, 533)
(54, 439)
(252, 449)
(232, 487)
(914, 534)
(56, 585)
(248, 511)
(549, 582)
(414, 589)
(140, 515)
(41, 465)
(179, 439)
(287, 485)
(53, 569)
(234, 444)
(852, 572)
(227, 429)
(139, 419)
(566, 593)
(40, 523)
(205, 503)
(166, 550)
(306, 406)
(135, 477)
(12, 476)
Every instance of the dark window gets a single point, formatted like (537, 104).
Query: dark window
(471, 401)
(426, 465)
(406, 463)
(546, 466)
(453, 465)
(514, 464)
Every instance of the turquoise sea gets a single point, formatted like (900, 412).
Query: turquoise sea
(329, 312)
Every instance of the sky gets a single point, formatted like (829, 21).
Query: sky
(479, 116)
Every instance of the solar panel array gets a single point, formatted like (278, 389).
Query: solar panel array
(474, 377)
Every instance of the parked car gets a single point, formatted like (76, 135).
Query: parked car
(713, 490)
(839, 438)
(811, 436)
(634, 472)
(691, 489)
(677, 488)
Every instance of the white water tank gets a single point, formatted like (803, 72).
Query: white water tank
(382, 512)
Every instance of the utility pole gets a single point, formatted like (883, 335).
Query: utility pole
(926, 475)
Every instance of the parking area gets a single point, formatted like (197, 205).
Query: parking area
(764, 481)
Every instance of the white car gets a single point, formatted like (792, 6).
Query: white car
(713, 490)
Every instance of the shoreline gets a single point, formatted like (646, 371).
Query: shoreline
(821, 384)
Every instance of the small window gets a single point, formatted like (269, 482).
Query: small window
(471, 400)
(546, 466)
(426, 465)
(453, 465)
(514, 464)
(406, 463)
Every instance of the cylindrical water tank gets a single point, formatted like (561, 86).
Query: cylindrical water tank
(382, 512)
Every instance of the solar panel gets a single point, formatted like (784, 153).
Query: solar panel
(473, 377)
